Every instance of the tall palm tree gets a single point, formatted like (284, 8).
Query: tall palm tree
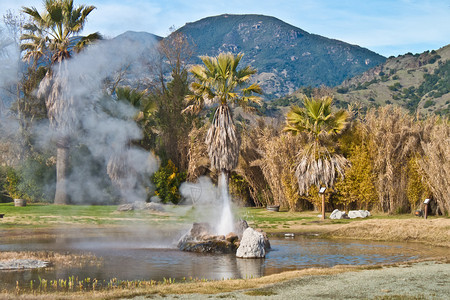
(54, 33)
(318, 163)
(219, 81)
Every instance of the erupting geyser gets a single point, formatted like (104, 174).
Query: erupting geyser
(218, 232)
(226, 222)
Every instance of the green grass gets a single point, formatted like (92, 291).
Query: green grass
(47, 215)
(36, 215)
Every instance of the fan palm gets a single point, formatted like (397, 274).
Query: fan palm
(55, 33)
(318, 163)
(219, 81)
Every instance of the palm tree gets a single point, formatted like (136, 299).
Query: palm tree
(55, 33)
(222, 83)
(318, 162)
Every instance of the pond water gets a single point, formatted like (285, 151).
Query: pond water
(134, 258)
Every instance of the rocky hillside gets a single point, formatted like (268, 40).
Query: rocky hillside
(419, 82)
(286, 57)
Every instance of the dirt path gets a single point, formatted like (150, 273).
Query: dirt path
(425, 280)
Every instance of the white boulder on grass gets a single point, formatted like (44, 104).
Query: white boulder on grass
(358, 214)
(252, 244)
(337, 214)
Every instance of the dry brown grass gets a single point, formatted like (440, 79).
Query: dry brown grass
(212, 287)
(435, 232)
(54, 258)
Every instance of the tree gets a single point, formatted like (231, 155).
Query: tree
(55, 33)
(220, 81)
(318, 162)
(173, 126)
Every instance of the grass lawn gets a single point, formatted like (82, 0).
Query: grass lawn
(48, 215)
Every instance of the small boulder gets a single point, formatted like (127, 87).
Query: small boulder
(125, 207)
(337, 215)
(155, 207)
(358, 214)
(252, 245)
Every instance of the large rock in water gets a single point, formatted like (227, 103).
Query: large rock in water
(252, 245)
(200, 239)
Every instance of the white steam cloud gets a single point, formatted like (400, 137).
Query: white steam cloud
(98, 125)
(209, 203)
(102, 125)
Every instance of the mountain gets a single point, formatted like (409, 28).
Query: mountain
(419, 82)
(141, 37)
(286, 57)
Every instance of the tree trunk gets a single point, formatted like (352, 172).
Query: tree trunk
(62, 159)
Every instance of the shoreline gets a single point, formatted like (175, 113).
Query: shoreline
(433, 232)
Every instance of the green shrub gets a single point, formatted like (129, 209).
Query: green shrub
(342, 90)
(428, 103)
(4, 195)
(11, 184)
(167, 181)
(36, 179)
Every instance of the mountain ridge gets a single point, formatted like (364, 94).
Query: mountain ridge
(286, 57)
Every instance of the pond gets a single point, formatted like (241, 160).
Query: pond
(132, 257)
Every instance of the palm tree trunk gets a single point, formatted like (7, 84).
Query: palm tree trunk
(62, 160)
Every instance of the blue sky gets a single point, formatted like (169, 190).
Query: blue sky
(388, 27)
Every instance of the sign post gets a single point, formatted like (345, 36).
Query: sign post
(426, 207)
(322, 192)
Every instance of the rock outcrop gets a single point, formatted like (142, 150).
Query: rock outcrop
(200, 239)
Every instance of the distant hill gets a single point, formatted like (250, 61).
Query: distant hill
(417, 82)
(286, 57)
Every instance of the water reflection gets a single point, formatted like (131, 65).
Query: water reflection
(137, 258)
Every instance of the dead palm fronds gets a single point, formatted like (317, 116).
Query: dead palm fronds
(222, 141)
(318, 167)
